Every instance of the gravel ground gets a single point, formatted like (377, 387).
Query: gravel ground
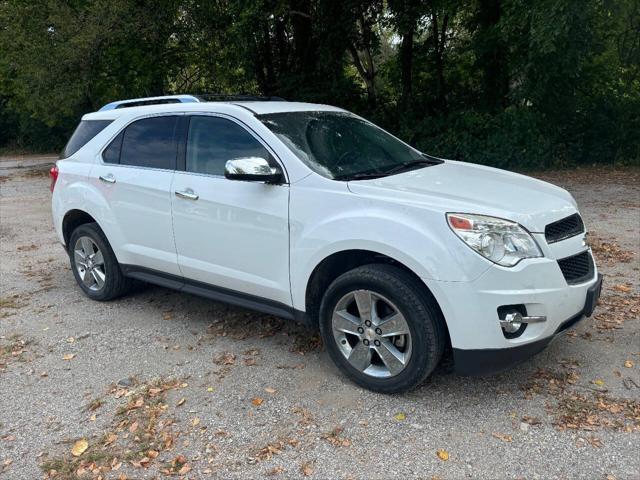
(162, 383)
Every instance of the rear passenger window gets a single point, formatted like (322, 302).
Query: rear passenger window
(111, 154)
(150, 142)
(84, 132)
(213, 140)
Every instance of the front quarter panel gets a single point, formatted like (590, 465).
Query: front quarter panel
(326, 218)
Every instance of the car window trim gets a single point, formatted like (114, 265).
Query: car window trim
(182, 161)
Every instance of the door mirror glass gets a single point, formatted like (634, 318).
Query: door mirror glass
(253, 169)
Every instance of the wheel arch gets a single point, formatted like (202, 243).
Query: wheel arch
(337, 263)
(72, 220)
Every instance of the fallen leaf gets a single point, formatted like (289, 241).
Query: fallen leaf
(443, 455)
(502, 436)
(306, 469)
(531, 420)
(185, 469)
(79, 447)
(68, 356)
(270, 390)
(628, 364)
(257, 401)
(209, 389)
(152, 454)
(179, 460)
(400, 416)
(275, 471)
(195, 422)
(594, 442)
(622, 288)
(598, 382)
(181, 402)
(133, 427)
(225, 358)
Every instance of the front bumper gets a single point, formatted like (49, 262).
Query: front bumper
(486, 361)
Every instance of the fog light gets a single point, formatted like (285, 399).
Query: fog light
(512, 322)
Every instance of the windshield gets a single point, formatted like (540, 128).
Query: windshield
(341, 146)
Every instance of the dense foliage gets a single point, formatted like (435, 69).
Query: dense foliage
(512, 83)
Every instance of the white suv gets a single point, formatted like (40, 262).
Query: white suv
(312, 213)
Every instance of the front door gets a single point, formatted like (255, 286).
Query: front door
(229, 233)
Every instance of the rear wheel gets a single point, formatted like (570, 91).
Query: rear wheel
(94, 264)
(382, 328)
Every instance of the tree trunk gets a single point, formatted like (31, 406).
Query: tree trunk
(303, 47)
(363, 59)
(406, 65)
(439, 39)
(491, 54)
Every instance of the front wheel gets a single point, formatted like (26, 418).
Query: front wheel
(382, 328)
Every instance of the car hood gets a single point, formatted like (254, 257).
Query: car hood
(468, 188)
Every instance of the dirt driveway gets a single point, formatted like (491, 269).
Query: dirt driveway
(162, 383)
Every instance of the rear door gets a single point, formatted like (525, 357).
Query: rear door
(134, 176)
(229, 233)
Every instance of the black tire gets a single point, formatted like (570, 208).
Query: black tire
(413, 301)
(115, 283)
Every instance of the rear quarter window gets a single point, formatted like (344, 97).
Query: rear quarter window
(84, 132)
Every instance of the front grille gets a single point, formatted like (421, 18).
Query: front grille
(577, 268)
(565, 228)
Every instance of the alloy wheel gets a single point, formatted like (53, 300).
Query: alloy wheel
(89, 263)
(371, 333)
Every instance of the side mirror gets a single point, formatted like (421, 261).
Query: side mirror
(252, 169)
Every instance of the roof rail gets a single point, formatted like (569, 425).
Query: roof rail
(138, 102)
(221, 97)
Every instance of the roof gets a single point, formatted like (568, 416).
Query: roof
(257, 108)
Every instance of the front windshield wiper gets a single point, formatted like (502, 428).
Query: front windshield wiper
(361, 176)
(421, 162)
(403, 167)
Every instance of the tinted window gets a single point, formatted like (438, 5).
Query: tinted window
(150, 143)
(212, 141)
(85, 131)
(111, 154)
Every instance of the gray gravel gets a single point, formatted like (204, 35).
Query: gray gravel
(159, 334)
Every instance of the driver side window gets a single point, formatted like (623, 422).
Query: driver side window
(212, 141)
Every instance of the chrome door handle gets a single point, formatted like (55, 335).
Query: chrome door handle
(188, 194)
(108, 179)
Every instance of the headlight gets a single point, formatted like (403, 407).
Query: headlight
(501, 241)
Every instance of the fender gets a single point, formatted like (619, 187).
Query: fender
(405, 238)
